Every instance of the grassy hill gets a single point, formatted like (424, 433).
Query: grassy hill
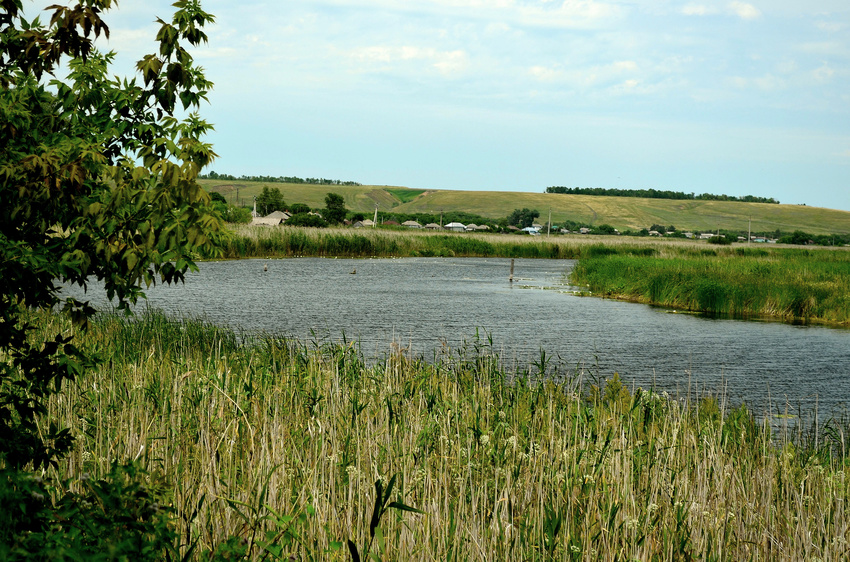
(620, 212)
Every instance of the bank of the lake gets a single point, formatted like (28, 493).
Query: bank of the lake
(272, 448)
(786, 283)
(791, 284)
(284, 242)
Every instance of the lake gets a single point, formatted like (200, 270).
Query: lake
(426, 304)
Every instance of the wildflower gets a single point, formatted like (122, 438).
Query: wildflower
(485, 439)
(511, 442)
(652, 508)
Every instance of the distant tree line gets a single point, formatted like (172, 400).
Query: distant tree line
(656, 194)
(280, 179)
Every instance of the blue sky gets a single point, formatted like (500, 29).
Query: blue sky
(515, 95)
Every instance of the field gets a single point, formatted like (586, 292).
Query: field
(266, 449)
(624, 213)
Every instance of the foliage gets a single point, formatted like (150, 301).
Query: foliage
(298, 208)
(270, 200)
(307, 219)
(334, 208)
(655, 194)
(75, 202)
(234, 214)
(523, 218)
(720, 240)
(122, 516)
(279, 179)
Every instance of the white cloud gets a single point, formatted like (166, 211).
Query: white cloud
(830, 26)
(766, 83)
(830, 48)
(823, 74)
(698, 10)
(447, 63)
(741, 9)
(744, 10)
(589, 76)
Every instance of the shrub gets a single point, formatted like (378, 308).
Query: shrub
(307, 219)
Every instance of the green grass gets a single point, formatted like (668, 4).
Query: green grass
(782, 283)
(624, 213)
(404, 194)
(273, 448)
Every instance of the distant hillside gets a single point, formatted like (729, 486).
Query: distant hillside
(624, 213)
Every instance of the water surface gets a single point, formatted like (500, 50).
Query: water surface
(430, 303)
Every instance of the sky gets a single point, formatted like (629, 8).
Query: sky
(696, 96)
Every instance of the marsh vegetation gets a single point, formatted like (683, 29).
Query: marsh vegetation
(273, 448)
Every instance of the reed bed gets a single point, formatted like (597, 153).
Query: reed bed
(253, 242)
(272, 448)
(783, 283)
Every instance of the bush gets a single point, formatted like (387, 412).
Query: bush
(120, 517)
(307, 219)
(721, 240)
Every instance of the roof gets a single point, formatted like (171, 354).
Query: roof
(264, 221)
(412, 224)
(433, 225)
(282, 215)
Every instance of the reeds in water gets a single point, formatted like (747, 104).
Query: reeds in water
(783, 283)
(273, 448)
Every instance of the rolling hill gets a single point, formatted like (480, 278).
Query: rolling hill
(624, 213)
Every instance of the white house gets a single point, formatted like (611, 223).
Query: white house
(455, 226)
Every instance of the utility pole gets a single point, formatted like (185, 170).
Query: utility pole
(749, 229)
(549, 226)
(375, 222)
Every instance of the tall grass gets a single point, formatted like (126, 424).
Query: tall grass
(273, 449)
(246, 242)
(784, 283)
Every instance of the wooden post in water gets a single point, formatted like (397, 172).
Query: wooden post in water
(511, 278)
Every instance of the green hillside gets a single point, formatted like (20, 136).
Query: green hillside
(624, 213)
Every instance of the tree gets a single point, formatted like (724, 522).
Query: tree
(97, 180)
(306, 219)
(270, 200)
(523, 218)
(299, 208)
(335, 208)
